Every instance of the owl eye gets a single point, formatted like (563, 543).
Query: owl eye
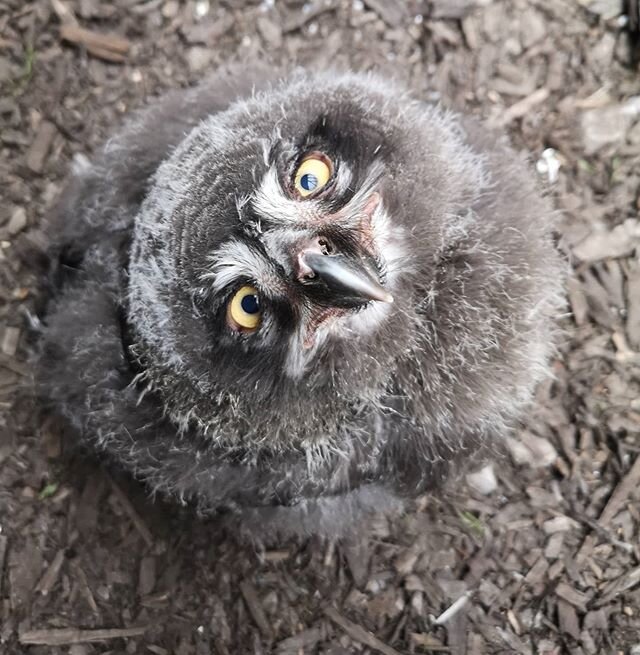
(312, 175)
(243, 312)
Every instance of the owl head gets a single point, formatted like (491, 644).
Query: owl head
(332, 248)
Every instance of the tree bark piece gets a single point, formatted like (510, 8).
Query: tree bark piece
(628, 484)
(65, 636)
(255, 608)
(37, 154)
(48, 580)
(136, 519)
(358, 633)
(104, 46)
(3, 553)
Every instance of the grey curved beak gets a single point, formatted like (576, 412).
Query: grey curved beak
(343, 274)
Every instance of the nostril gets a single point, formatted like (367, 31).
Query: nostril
(318, 245)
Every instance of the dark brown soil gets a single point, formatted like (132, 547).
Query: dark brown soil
(546, 560)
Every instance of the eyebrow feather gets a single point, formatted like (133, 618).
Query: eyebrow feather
(235, 260)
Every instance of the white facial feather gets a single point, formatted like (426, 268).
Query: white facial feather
(272, 203)
(274, 206)
(235, 260)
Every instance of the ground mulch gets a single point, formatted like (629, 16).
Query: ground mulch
(537, 552)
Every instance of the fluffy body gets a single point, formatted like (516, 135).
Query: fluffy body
(297, 433)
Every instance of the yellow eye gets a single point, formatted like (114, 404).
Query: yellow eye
(312, 174)
(243, 312)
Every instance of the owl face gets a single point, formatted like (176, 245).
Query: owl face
(303, 263)
(282, 255)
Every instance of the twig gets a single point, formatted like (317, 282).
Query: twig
(85, 590)
(3, 552)
(618, 586)
(392, 12)
(65, 636)
(136, 519)
(450, 612)
(37, 153)
(605, 533)
(621, 493)
(303, 17)
(358, 633)
(573, 596)
(304, 641)
(48, 580)
(14, 365)
(429, 643)
(255, 609)
(64, 14)
(628, 484)
(276, 555)
(104, 46)
(522, 107)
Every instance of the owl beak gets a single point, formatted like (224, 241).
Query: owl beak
(345, 276)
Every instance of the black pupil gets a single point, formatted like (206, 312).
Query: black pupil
(250, 304)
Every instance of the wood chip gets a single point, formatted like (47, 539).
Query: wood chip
(65, 636)
(255, 608)
(628, 484)
(621, 241)
(633, 307)
(303, 642)
(429, 643)
(608, 126)
(357, 552)
(559, 523)
(275, 556)
(10, 341)
(451, 9)
(48, 580)
(483, 481)
(271, 32)
(104, 46)
(208, 33)
(147, 576)
(51, 435)
(24, 568)
(443, 33)
(136, 519)
(625, 582)
(392, 12)
(3, 554)
(455, 607)
(37, 153)
(537, 572)
(406, 560)
(524, 106)
(64, 14)
(157, 650)
(544, 454)
(358, 633)
(84, 587)
(554, 547)
(16, 224)
(578, 302)
(301, 18)
(514, 622)
(568, 619)
(573, 596)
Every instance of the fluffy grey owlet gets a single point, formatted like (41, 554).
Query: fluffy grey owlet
(299, 301)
